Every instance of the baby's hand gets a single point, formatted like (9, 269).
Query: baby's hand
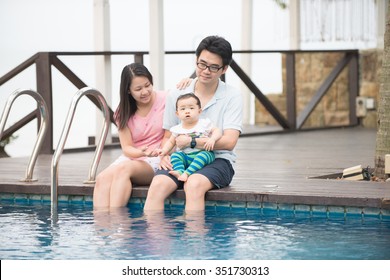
(209, 145)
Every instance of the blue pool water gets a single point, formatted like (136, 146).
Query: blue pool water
(27, 231)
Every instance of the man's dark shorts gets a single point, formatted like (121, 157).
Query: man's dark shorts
(220, 173)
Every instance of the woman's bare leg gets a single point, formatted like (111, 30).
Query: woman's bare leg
(101, 192)
(133, 171)
(114, 184)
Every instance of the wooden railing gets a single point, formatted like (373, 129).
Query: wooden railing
(293, 122)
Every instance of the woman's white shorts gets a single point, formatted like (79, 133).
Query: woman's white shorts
(154, 162)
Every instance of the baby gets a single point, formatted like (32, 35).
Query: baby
(189, 160)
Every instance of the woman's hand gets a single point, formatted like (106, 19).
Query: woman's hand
(145, 151)
(156, 153)
(184, 83)
(165, 163)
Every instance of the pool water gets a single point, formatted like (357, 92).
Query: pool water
(27, 231)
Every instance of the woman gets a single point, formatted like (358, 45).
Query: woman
(139, 119)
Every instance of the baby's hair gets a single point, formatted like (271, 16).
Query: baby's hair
(186, 96)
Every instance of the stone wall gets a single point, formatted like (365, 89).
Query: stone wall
(333, 109)
(370, 65)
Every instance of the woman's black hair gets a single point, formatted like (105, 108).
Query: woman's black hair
(127, 104)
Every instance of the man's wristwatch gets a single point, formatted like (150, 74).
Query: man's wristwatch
(193, 142)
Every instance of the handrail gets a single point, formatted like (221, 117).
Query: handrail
(42, 108)
(64, 135)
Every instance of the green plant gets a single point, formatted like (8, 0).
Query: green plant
(281, 3)
(7, 140)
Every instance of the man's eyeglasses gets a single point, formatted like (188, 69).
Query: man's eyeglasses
(212, 68)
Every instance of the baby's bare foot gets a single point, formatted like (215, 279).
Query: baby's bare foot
(183, 177)
(175, 173)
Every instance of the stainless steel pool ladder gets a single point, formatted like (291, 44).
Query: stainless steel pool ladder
(42, 129)
(61, 143)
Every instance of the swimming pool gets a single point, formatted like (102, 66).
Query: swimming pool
(28, 232)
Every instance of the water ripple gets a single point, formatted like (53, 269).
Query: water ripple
(28, 232)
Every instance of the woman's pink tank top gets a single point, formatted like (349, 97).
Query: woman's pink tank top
(148, 131)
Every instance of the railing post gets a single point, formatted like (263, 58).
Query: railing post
(44, 87)
(353, 81)
(291, 90)
(139, 58)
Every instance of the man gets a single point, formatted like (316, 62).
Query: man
(222, 104)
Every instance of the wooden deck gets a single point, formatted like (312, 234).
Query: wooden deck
(274, 169)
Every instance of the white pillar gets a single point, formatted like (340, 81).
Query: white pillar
(381, 9)
(246, 60)
(295, 32)
(102, 41)
(156, 34)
